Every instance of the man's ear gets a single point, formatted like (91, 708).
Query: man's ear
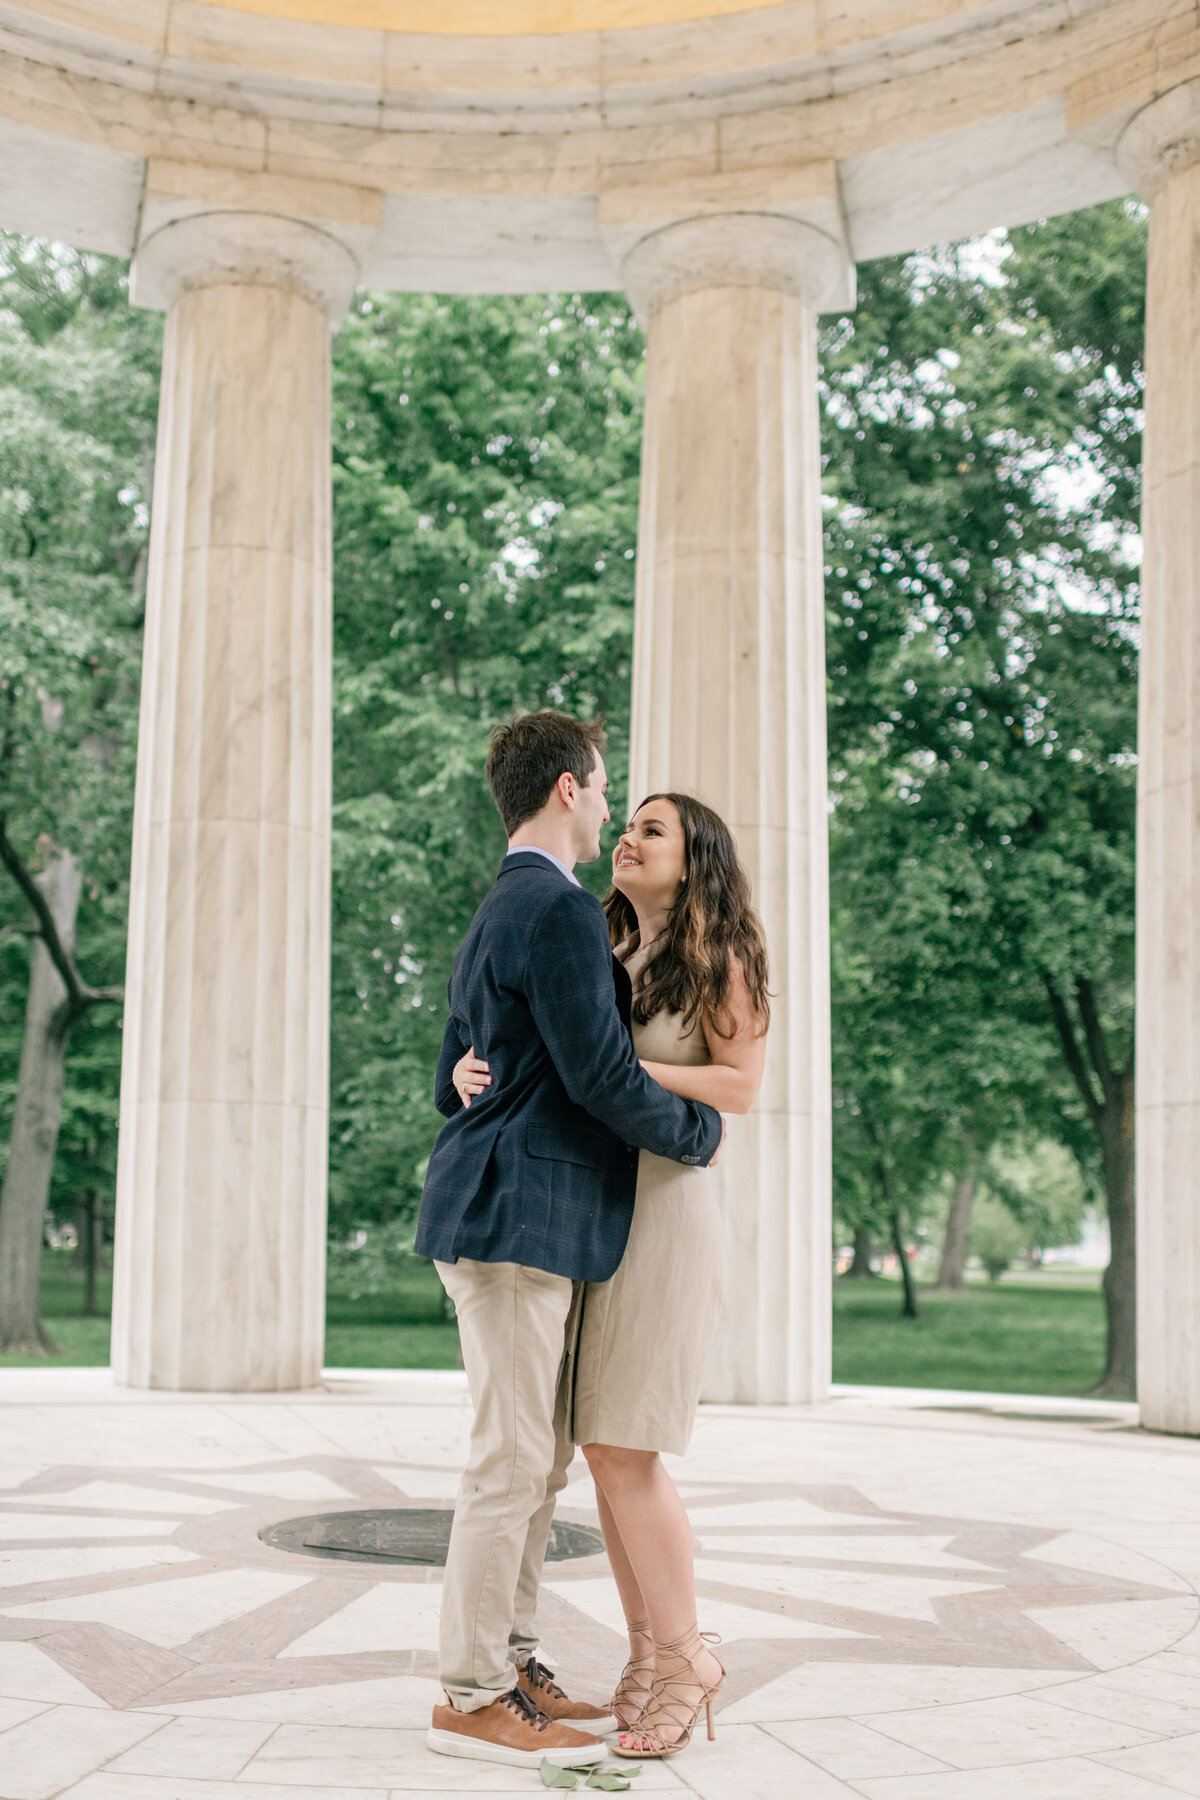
(568, 788)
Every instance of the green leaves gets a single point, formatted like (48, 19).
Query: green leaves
(613, 1780)
(981, 427)
(555, 1777)
(485, 508)
(78, 399)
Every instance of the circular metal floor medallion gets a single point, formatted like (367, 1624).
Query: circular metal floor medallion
(416, 1535)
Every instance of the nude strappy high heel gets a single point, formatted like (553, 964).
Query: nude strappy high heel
(633, 1690)
(667, 1707)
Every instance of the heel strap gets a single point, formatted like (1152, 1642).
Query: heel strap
(689, 1645)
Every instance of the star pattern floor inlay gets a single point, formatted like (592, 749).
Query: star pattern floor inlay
(909, 1603)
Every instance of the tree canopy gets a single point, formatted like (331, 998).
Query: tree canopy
(78, 406)
(983, 436)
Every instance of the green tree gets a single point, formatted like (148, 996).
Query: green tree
(996, 1236)
(485, 507)
(983, 438)
(78, 393)
(1042, 1186)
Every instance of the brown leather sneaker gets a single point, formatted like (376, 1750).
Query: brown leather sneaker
(536, 1680)
(511, 1730)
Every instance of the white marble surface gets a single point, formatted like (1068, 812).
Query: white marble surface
(17, 1527)
(492, 139)
(48, 1753)
(729, 704)
(799, 250)
(220, 1238)
(51, 1562)
(27, 1673)
(598, 1599)
(900, 1596)
(287, 1484)
(392, 1702)
(162, 1613)
(384, 1618)
(209, 1749)
(1028, 1623)
(129, 1497)
(1162, 151)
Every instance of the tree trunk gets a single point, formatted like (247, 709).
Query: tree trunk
(864, 1249)
(1111, 1114)
(1119, 1381)
(953, 1269)
(93, 1228)
(910, 1309)
(36, 1115)
(84, 1249)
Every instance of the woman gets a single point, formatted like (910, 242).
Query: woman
(681, 921)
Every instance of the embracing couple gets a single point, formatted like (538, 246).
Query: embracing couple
(589, 1054)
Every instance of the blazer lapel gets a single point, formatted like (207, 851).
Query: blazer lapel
(624, 992)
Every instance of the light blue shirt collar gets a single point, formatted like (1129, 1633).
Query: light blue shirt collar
(536, 850)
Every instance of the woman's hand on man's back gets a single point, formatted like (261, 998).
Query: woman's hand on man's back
(472, 1076)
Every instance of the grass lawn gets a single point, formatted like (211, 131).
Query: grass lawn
(401, 1329)
(1012, 1337)
(81, 1342)
(1021, 1337)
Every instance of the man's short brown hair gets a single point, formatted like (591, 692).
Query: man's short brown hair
(530, 753)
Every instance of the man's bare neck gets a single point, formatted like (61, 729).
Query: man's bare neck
(538, 834)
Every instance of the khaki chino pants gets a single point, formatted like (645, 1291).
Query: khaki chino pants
(517, 1327)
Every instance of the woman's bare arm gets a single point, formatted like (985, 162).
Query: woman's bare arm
(731, 1081)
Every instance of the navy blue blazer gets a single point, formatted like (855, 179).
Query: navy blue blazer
(542, 1168)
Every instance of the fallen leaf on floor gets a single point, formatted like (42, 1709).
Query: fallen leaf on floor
(553, 1776)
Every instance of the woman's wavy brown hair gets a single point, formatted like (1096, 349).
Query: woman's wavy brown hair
(711, 921)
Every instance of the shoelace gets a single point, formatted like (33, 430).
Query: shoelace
(539, 1676)
(519, 1702)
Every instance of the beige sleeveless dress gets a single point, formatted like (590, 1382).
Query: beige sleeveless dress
(645, 1335)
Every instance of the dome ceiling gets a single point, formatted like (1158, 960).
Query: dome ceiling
(510, 145)
(499, 18)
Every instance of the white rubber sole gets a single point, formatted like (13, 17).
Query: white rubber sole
(456, 1743)
(594, 1727)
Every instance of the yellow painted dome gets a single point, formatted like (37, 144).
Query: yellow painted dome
(495, 18)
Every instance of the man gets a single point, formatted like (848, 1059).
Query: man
(530, 1193)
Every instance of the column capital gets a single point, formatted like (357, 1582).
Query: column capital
(745, 249)
(201, 227)
(211, 248)
(1163, 135)
(778, 228)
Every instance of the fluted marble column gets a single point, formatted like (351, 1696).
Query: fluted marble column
(220, 1235)
(729, 704)
(1161, 151)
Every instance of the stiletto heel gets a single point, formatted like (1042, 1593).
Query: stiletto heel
(668, 1708)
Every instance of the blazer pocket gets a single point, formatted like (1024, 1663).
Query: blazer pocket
(557, 1145)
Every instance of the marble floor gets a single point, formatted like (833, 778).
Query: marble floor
(921, 1596)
